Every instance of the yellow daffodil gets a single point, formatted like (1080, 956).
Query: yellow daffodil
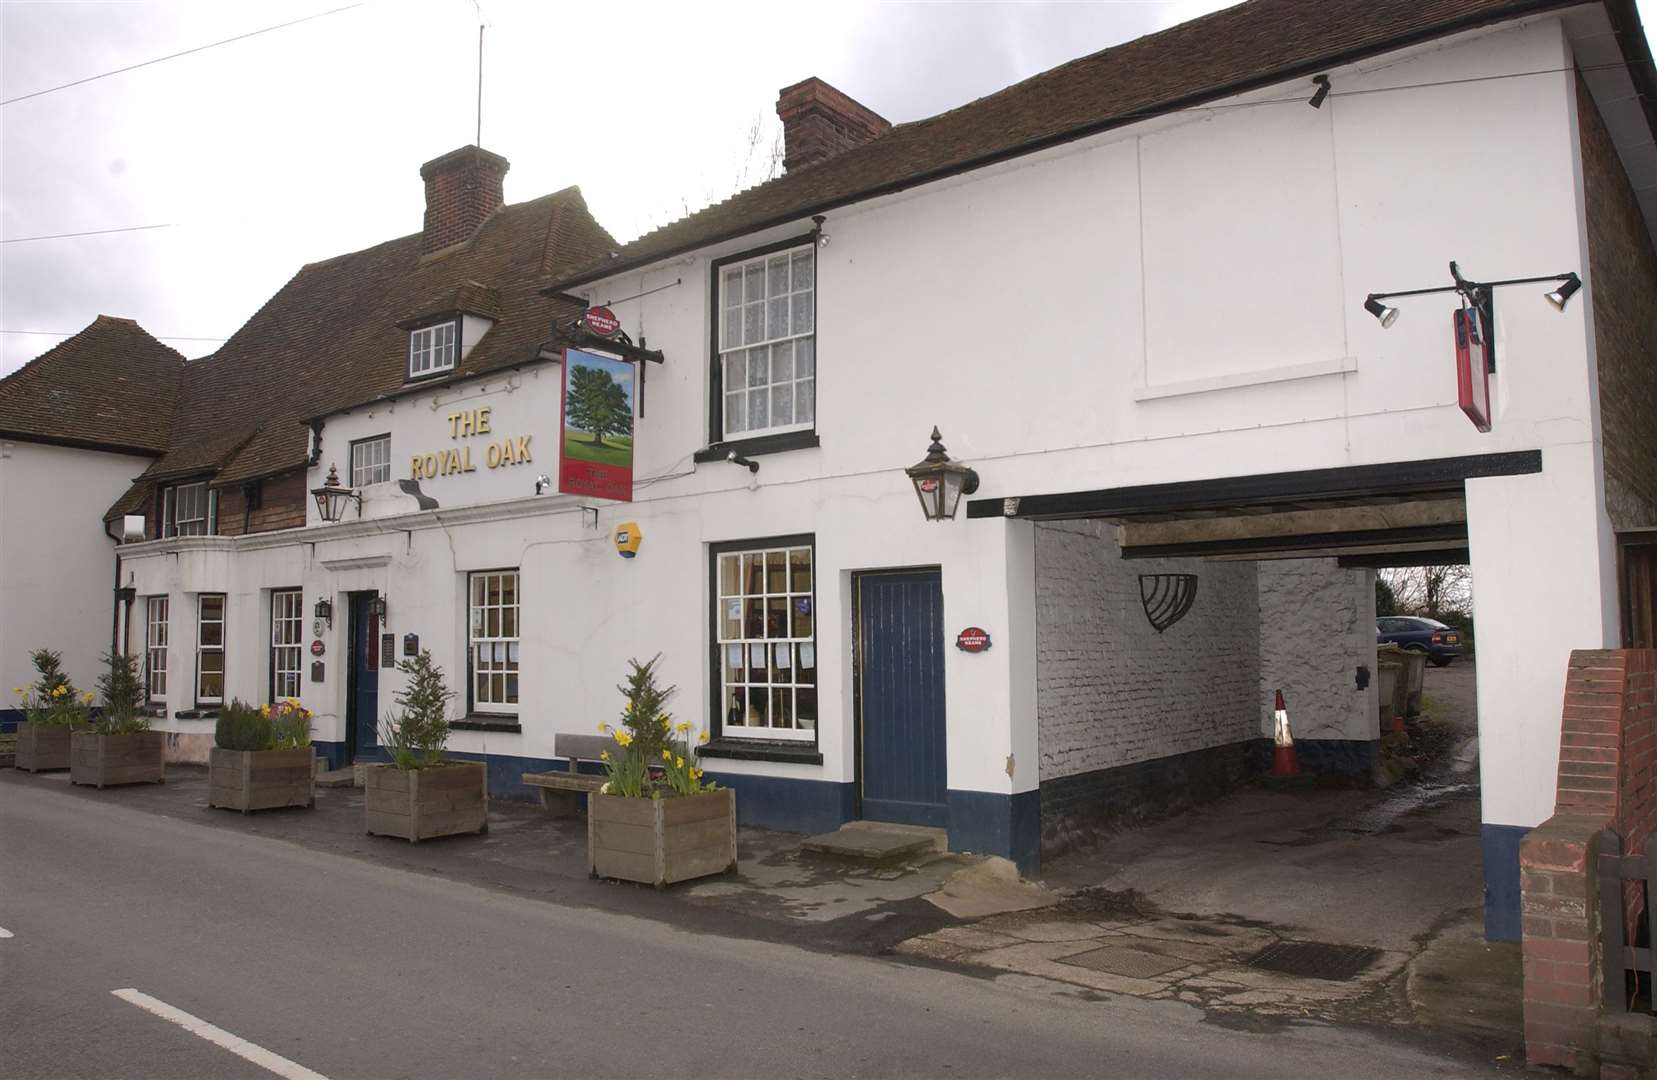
(622, 737)
(702, 738)
(264, 710)
(696, 774)
(604, 755)
(604, 729)
(667, 755)
(678, 763)
(88, 697)
(19, 690)
(59, 691)
(682, 726)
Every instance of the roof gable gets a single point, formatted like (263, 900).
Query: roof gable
(110, 387)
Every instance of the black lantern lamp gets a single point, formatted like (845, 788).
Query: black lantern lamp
(940, 482)
(325, 611)
(376, 608)
(332, 496)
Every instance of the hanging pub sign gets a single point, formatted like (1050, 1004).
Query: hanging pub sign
(600, 321)
(595, 426)
(1473, 347)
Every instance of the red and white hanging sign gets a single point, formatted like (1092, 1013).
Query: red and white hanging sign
(1473, 347)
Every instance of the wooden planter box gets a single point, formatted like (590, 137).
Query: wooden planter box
(105, 760)
(661, 841)
(261, 779)
(418, 804)
(41, 747)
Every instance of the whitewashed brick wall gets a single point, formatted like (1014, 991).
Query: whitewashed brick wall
(1317, 624)
(1110, 690)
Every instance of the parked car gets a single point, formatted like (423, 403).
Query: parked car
(1441, 643)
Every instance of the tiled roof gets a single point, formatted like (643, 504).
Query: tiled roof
(1251, 45)
(330, 338)
(111, 386)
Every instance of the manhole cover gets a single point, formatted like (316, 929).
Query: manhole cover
(1125, 960)
(1314, 959)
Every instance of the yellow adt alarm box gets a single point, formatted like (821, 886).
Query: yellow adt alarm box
(627, 539)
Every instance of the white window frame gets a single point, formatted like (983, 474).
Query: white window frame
(287, 641)
(203, 505)
(764, 334)
(433, 349)
(155, 649)
(493, 642)
(787, 651)
(371, 461)
(205, 650)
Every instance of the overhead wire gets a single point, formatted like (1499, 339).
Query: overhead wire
(182, 52)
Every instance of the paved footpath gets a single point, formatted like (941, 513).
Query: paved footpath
(248, 956)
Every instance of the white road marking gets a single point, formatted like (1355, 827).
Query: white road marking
(4, 933)
(195, 1025)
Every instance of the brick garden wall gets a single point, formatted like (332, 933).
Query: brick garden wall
(1607, 777)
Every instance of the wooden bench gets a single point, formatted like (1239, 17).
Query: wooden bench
(560, 791)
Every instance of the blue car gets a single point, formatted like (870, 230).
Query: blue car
(1441, 643)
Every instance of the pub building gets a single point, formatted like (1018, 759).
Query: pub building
(989, 472)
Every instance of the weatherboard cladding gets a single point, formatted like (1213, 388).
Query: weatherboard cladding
(1252, 44)
(111, 386)
(331, 337)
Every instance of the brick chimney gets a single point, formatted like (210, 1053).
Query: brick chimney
(819, 122)
(463, 187)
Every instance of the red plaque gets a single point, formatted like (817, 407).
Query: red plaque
(973, 639)
(317, 648)
(601, 321)
(1473, 347)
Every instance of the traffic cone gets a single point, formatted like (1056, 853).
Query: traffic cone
(1284, 762)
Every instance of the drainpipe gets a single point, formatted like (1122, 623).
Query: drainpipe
(115, 598)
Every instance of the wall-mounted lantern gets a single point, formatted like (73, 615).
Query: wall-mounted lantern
(376, 608)
(940, 482)
(332, 496)
(325, 611)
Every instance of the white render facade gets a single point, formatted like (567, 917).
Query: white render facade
(1175, 301)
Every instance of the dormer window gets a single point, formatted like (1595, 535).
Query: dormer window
(432, 349)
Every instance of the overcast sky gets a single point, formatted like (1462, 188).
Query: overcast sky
(306, 142)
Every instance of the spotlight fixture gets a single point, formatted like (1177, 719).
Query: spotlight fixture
(737, 459)
(1322, 92)
(1387, 315)
(1567, 289)
(1475, 293)
(542, 483)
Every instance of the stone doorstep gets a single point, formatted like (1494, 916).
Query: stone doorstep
(336, 778)
(879, 842)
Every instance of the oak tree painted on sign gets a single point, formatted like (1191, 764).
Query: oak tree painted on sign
(597, 404)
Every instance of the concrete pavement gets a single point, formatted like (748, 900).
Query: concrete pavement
(352, 968)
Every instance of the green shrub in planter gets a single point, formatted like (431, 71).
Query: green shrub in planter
(242, 727)
(123, 694)
(52, 710)
(421, 794)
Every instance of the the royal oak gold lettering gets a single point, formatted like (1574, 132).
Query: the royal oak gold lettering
(463, 424)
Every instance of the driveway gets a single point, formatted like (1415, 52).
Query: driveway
(1319, 901)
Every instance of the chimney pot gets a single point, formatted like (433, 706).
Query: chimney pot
(819, 122)
(463, 187)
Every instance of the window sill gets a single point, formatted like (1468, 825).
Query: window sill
(483, 722)
(204, 713)
(762, 750)
(154, 712)
(764, 444)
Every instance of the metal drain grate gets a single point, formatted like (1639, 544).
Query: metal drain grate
(1314, 959)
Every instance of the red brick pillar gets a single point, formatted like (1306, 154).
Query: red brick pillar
(1559, 907)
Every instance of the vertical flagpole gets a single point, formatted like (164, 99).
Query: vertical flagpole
(479, 141)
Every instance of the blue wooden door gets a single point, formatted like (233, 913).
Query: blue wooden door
(364, 691)
(901, 696)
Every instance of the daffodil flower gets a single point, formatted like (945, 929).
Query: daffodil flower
(667, 755)
(604, 755)
(702, 738)
(678, 763)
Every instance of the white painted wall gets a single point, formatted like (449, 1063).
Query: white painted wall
(1112, 691)
(1317, 624)
(57, 568)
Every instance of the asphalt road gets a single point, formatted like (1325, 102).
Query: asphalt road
(353, 969)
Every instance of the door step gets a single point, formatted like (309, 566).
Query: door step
(877, 841)
(337, 778)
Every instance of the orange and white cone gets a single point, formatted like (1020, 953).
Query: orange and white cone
(1284, 762)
